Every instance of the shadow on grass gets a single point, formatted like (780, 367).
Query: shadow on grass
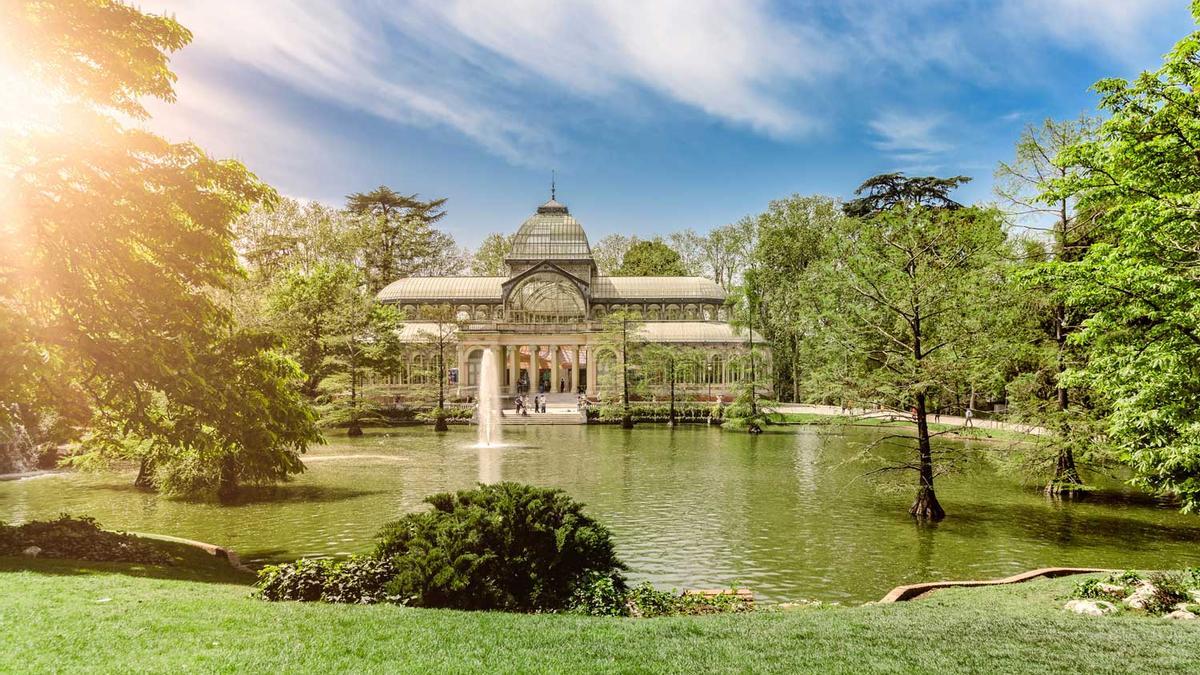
(190, 564)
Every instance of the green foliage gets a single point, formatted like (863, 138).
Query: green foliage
(78, 539)
(399, 238)
(600, 595)
(603, 596)
(1091, 588)
(488, 259)
(651, 258)
(1135, 288)
(358, 580)
(121, 251)
(1125, 578)
(504, 547)
(1170, 589)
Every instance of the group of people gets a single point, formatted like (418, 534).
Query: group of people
(539, 404)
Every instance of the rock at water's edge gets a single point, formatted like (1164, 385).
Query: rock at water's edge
(32, 551)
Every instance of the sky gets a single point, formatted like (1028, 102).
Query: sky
(657, 115)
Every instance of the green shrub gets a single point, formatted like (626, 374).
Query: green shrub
(1192, 574)
(1126, 578)
(359, 580)
(303, 580)
(1090, 588)
(356, 580)
(1170, 589)
(647, 601)
(601, 595)
(78, 539)
(506, 546)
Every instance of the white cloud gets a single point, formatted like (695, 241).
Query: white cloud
(910, 137)
(732, 60)
(1117, 27)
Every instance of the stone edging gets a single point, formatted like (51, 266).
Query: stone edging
(903, 593)
(212, 549)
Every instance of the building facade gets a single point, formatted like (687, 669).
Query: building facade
(543, 323)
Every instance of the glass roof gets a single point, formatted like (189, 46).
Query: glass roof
(551, 233)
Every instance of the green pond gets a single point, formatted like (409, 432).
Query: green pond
(787, 514)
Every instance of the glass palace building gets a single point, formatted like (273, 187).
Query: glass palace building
(544, 321)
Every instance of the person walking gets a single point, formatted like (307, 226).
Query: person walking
(970, 417)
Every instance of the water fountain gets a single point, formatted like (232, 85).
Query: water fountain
(487, 416)
(489, 433)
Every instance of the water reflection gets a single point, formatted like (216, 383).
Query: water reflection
(782, 513)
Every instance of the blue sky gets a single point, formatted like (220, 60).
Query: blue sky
(657, 115)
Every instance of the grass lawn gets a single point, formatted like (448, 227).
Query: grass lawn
(71, 616)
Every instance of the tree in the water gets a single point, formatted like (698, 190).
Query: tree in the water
(439, 334)
(667, 362)
(1022, 186)
(622, 337)
(1137, 285)
(904, 310)
(119, 253)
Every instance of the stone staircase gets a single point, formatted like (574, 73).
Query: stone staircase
(560, 409)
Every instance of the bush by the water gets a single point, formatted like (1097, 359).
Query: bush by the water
(357, 580)
(505, 547)
(602, 597)
(78, 539)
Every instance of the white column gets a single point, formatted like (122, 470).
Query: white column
(574, 369)
(460, 359)
(533, 369)
(514, 367)
(591, 366)
(554, 356)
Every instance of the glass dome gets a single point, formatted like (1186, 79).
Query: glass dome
(551, 233)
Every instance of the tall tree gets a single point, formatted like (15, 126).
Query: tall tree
(622, 335)
(791, 237)
(651, 258)
(690, 247)
(305, 309)
(1137, 283)
(440, 335)
(610, 251)
(1021, 184)
(906, 307)
(889, 190)
(488, 259)
(118, 246)
(363, 346)
(399, 238)
(667, 362)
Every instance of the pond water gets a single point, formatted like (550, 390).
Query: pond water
(786, 513)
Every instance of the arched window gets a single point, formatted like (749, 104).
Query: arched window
(546, 297)
(417, 373)
(672, 313)
(716, 372)
(474, 359)
(599, 312)
(654, 312)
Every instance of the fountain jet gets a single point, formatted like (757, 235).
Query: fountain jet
(487, 414)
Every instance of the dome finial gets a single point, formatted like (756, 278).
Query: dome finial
(553, 177)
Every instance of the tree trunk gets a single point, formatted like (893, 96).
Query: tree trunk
(355, 429)
(228, 488)
(671, 415)
(925, 506)
(626, 421)
(439, 424)
(145, 476)
(1066, 476)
